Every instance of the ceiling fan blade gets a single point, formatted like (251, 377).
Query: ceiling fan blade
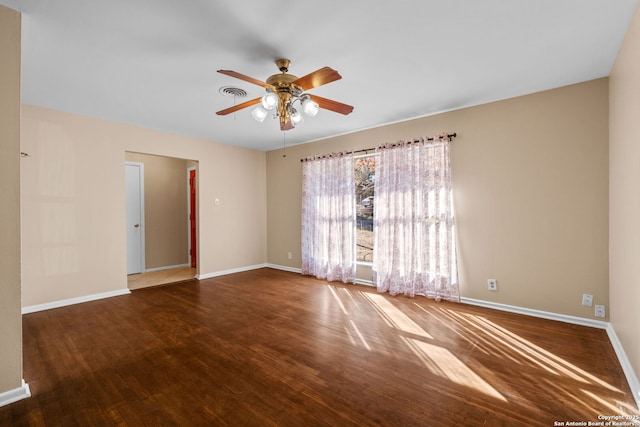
(318, 78)
(238, 107)
(329, 104)
(245, 78)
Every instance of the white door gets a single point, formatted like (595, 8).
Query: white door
(134, 181)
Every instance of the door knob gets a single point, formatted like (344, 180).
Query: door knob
(136, 225)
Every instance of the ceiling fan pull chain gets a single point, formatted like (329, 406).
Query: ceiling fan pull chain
(284, 144)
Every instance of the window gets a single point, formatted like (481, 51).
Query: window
(365, 171)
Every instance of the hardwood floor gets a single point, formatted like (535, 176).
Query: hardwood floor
(271, 348)
(160, 277)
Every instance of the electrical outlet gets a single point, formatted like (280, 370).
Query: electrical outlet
(587, 300)
(289, 256)
(600, 311)
(492, 284)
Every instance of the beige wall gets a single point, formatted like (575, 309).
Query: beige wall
(73, 219)
(10, 318)
(624, 165)
(165, 210)
(530, 178)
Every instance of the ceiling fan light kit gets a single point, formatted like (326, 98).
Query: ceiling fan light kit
(259, 114)
(270, 100)
(309, 107)
(284, 90)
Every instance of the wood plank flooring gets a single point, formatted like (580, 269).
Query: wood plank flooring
(160, 277)
(272, 348)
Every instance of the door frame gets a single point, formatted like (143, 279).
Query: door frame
(189, 213)
(140, 167)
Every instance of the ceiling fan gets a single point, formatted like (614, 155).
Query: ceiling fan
(283, 90)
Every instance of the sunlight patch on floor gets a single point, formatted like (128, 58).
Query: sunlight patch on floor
(334, 292)
(394, 317)
(484, 332)
(338, 300)
(619, 409)
(349, 295)
(483, 335)
(466, 333)
(353, 341)
(364, 342)
(443, 363)
(538, 355)
(438, 360)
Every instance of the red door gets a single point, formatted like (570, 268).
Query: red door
(192, 217)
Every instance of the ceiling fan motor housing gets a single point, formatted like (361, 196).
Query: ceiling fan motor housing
(286, 90)
(284, 83)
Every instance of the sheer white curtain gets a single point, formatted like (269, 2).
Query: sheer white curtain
(328, 218)
(414, 232)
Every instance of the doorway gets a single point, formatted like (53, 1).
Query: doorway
(168, 228)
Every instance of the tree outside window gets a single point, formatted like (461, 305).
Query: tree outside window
(365, 170)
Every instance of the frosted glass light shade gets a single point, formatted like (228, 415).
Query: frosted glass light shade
(269, 101)
(259, 113)
(310, 107)
(296, 118)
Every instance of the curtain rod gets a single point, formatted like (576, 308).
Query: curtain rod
(364, 150)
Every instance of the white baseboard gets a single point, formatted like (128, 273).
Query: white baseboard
(632, 379)
(537, 313)
(168, 267)
(285, 268)
(225, 272)
(71, 301)
(16, 394)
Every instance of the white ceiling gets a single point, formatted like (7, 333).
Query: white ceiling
(153, 63)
